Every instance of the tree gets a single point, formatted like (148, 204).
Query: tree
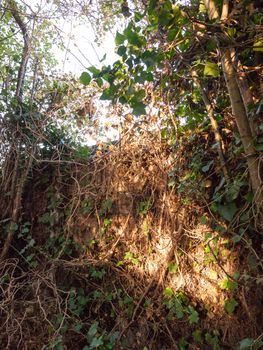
(183, 53)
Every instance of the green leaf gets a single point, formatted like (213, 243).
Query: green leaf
(132, 37)
(230, 305)
(13, 226)
(121, 51)
(231, 32)
(94, 70)
(122, 99)
(206, 167)
(258, 46)
(144, 76)
(109, 93)
(78, 327)
(93, 330)
(249, 343)
(227, 211)
(249, 197)
(245, 344)
(139, 95)
(197, 335)
(259, 147)
(172, 34)
(236, 238)
(179, 310)
(96, 342)
(138, 108)
(194, 316)
(119, 38)
(85, 78)
(203, 220)
(138, 16)
(165, 18)
(212, 340)
(211, 69)
(183, 344)
(211, 45)
(168, 292)
(172, 267)
(229, 284)
(252, 261)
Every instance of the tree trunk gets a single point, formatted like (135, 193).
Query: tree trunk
(239, 112)
(238, 107)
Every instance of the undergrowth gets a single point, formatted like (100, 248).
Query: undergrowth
(138, 248)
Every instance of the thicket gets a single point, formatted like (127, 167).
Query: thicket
(153, 241)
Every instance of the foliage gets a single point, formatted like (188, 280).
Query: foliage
(131, 244)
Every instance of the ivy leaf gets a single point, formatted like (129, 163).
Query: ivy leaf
(259, 147)
(231, 32)
(85, 78)
(165, 18)
(99, 82)
(245, 344)
(132, 37)
(206, 167)
(227, 211)
(139, 95)
(203, 220)
(211, 45)
(109, 94)
(121, 51)
(249, 343)
(197, 335)
(211, 69)
(171, 34)
(236, 238)
(183, 344)
(119, 38)
(230, 305)
(93, 330)
(258, 46)
(228, 284)
(172, 267)
(168, 292)
(252, 261)
(95, 71)
(138, 108)
(96, 342)
(77, 327)
(193, 317)
(144, 76)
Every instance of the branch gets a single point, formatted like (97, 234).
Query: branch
(26, 49)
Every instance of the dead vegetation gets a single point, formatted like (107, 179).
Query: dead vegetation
(112, 240)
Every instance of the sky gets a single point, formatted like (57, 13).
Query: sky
(79, 52)
(81, 49)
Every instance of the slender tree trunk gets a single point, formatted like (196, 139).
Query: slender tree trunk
(26, 49)
(214, 124)
(17, 204)
(19, 181)
(245, 93)
(239, 112)
(238, 107)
